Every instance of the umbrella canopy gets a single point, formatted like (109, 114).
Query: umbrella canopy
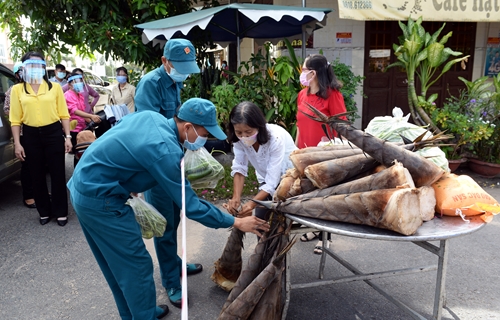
(230, 23)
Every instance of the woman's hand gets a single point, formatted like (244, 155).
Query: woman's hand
(251, 224)
(95, 118)
(68, 145)
(233, 206)
(246, 209)
(19, 152)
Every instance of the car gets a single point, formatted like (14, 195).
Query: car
(9, 164)
(102, 87)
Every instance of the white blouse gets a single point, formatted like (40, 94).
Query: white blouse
(270, 162)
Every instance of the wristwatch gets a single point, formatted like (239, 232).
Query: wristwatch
(67, 137)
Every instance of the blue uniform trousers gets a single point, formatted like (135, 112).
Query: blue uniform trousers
(166, 246)
(115, 239)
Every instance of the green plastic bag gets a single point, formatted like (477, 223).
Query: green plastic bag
(152, 222)
(202, 170)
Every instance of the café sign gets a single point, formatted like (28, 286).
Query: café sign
(430, 10)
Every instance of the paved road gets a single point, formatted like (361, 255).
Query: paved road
(48, 272)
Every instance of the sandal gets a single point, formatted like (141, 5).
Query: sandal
(318, 249)
(309, 236)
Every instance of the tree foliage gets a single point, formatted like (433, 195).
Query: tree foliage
(90, 26)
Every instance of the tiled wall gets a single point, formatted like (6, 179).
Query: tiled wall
(483, 31)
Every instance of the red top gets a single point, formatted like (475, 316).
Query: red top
(310, 131)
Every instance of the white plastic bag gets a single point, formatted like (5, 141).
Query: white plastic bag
(152, 222)
(392, 128)
(202, 170)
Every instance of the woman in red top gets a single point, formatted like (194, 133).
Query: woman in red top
(322, 92)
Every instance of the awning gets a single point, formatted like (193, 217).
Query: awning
(232, 22)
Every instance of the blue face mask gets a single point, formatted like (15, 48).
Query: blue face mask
(176, 76)
(61, 75)
(121, 79)
(34, 75)
(197, 144)
(78, 87)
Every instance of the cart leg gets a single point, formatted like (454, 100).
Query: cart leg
(288, 285)
(440, 296)
(323, 256)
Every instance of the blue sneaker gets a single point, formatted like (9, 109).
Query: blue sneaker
(193, 268)
(175, 296)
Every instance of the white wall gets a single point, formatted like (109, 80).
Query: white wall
(483, 31)
(325, 39)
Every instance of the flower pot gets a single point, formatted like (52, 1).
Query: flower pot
(454, 164)
(483, 168)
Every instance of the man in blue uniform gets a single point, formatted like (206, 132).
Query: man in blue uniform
(118, 164)
(160, 91)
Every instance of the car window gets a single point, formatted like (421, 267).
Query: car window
(6, 81)
(98, 80)
(89, 78)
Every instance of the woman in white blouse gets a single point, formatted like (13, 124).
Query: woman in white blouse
(266, 146)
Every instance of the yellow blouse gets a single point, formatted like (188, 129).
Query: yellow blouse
(37, 109)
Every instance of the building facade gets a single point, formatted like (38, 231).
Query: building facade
(362, 33)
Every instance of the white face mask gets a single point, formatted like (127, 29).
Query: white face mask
(249, 141)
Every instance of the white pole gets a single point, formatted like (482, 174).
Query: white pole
(303, 36)
(184, 313)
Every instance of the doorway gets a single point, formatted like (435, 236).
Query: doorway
(386, 89)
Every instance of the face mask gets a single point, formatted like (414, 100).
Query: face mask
(78, 87)
(34, 75)
(223, 65)
(197, 144)
(121, 79)
(303, 79)
(61, 75)
(176, 76)
(249, 141)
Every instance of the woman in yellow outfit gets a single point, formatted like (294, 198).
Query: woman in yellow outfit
(39, 106)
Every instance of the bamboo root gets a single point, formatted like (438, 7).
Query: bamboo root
(281, 192)
(423, 171)
(330, 147)
(398, 210)
(248, 274)
(228, 266)
(302, 160)
(396, 176)
(245, 303)
(300, 186)
(332, 172)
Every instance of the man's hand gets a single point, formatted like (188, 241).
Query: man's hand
(251, 224)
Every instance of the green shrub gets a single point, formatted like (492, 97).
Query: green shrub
(224, 189)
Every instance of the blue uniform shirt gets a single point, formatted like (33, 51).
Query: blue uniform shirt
(138, 153)
(157, 92)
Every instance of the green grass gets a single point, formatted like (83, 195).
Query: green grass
(224, 188)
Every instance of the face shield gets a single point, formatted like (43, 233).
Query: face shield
(77, 82)
(34, 71)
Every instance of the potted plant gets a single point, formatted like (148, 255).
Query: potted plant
(463, 117)
(486, 159)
